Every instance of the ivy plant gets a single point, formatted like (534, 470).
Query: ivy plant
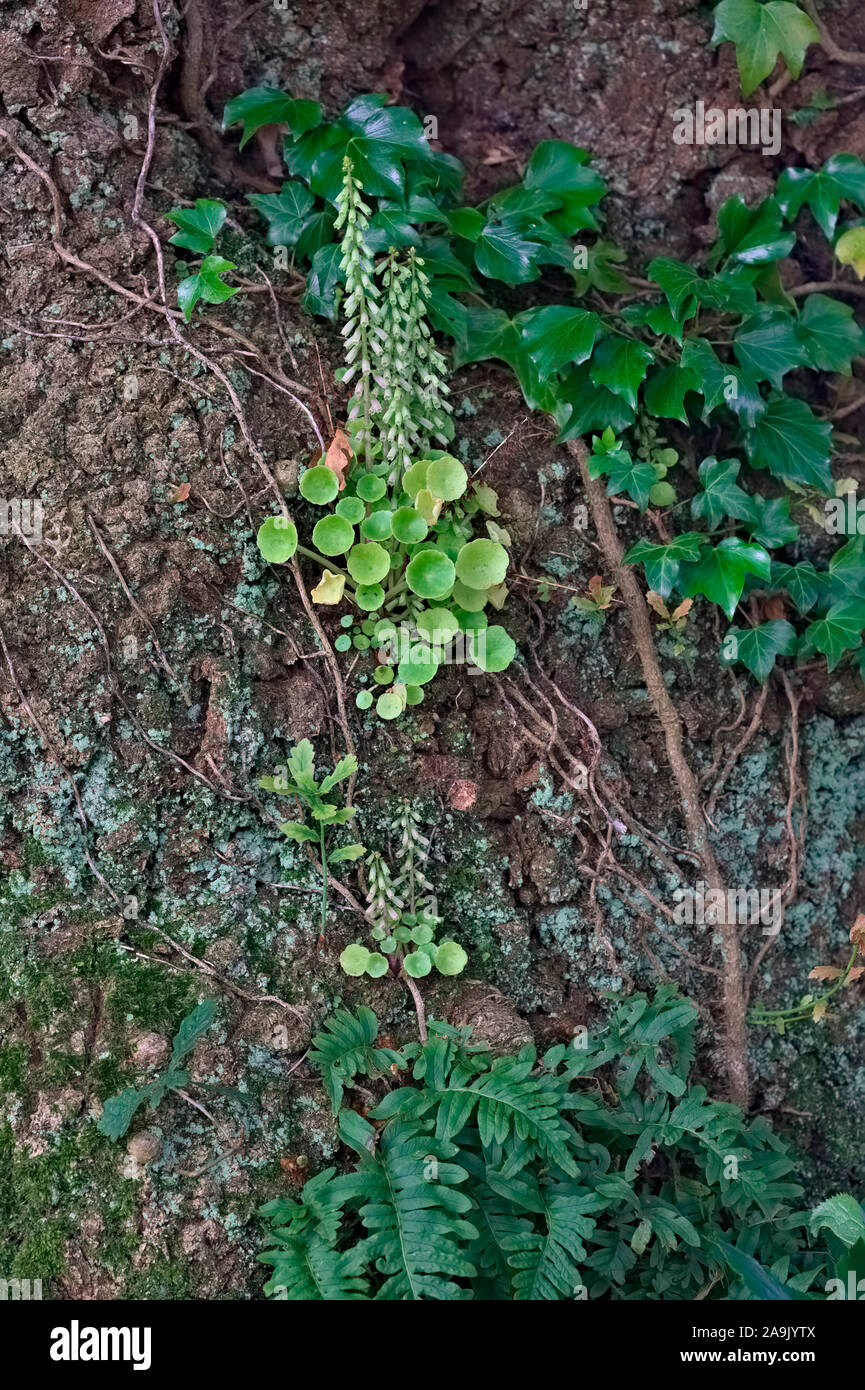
(722, 349)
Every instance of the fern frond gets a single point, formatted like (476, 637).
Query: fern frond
(302, 1246)
(344, 1049)
(412, 1210)
(546, 1262)
(508, 1102)
(309, 1270)
(496, 1219)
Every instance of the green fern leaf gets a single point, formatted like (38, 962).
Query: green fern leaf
(505, 1101)
(546, 1263)
(344, 1049)
(310, 1270)
(306, 1265)
(412, 1211)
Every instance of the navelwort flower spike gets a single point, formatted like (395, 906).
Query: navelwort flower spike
(361, 311)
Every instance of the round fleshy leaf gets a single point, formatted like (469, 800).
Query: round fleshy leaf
(376, 526)
(417, 964)
(415, 478)
(385, 631)
(370, 598)
(413, 695)
(418, 667)
(482, 564)
(383, 675)
(376, 966)
(346, 620)
(370, 487)
(389, 945)
(378, 933)
(360, 643)
(319, 485)
(447, 478)
(492, 650)
(343, 642)
(662, 495)
(351, 508)
(430, 574)
(368, 563)
(363, 699)
(420, 935)
(438, 622)
(389, 705)
(450, 958)
(355, 959)
(409, 526)
(402, 934)
(471, 622)
(277, 539)
(472, 600)
(333, 535)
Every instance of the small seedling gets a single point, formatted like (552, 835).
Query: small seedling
(298, 780)
(118, 1112)
(672, 620)
(598, 599)
(813, 1007)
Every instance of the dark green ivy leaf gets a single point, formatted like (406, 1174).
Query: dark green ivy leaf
(205, 285)
(758, 647)
(752, 236)
(829, 334)
(492, 333)
(662, 562)
(198, 225)
(770, 523)
(840, 631)
(791, 443)
(321, 283)
(502, 252)
(847, 570)
(761, 32)
(635, 477)
(685, 287)
(721, 495)
(262, 106)
(714, 376)
(620, 364)
(559, 167)
(768, 344)
(822, 190)
(665, 390)
(719, 573)
(391, 227)
(286, 212)
(801, 582)
(582, 406)
(557, 336)
(600, 270)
